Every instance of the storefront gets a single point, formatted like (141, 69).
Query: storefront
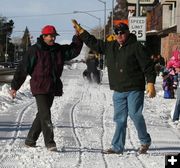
(163, 35)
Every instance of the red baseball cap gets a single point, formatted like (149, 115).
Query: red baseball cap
(49, 29)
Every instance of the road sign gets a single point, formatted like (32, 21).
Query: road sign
(137, 25)
(141, 2)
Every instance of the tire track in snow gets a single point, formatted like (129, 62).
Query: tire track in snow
(131, 142)
(74, 129)
(103, 130)
(76, 134)
(69, 113)
(71, 109)
(19, 120)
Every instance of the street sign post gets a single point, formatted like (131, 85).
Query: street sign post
(141, 2)
(137, 25)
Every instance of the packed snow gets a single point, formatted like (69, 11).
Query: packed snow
(83, 127)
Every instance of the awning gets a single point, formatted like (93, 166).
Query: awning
(162, 33)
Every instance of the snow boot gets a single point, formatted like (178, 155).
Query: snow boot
(30, 144)
(111, 151)
(143, 149)
(52, 147)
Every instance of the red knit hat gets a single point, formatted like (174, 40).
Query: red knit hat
(49, 29)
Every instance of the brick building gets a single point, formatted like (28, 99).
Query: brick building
(163, 27)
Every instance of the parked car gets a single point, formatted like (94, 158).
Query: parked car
(7, 65)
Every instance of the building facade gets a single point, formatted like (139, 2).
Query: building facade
(170, 34)
(163, 27)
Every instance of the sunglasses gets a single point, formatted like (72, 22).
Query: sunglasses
(119, 32)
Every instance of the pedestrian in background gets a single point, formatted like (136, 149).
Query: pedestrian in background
(159, 63)
(176, 113)
(128, 66)
(44, 63)
(92, 62)
(168, 84)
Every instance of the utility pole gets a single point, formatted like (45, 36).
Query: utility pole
(27, 41)
(112, 18)
(6, 54)
(137, 8)
(104, 18)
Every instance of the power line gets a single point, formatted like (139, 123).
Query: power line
(51, 14)
(40, 30)
(42, 15)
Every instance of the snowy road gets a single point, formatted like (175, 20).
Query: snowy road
(83, 126)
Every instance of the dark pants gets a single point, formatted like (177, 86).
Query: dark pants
(42, 122)
(94, 76)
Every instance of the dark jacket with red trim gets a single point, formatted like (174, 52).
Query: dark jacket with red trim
(45, 65)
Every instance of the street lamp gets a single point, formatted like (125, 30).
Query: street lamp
(112, 18)
(99, 19)
(87, 26)
(104, 18)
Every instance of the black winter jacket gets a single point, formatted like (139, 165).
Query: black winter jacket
(128, 66)
(45, 65)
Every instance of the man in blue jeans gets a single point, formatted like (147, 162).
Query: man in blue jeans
(177, 106)
(129, 68)
(129, 103)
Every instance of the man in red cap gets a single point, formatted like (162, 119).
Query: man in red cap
(44, 63)
(129, 68)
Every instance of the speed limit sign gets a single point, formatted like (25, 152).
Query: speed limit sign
(137, 25)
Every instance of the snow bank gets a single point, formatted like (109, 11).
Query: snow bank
(5, 98)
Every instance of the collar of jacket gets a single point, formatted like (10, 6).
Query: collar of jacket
(42, 45)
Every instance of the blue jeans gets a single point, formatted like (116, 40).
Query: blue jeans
(177, 106)
(128, 103)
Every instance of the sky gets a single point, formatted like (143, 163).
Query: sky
(35, 14)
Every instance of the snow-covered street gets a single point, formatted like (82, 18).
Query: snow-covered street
(83, 127)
